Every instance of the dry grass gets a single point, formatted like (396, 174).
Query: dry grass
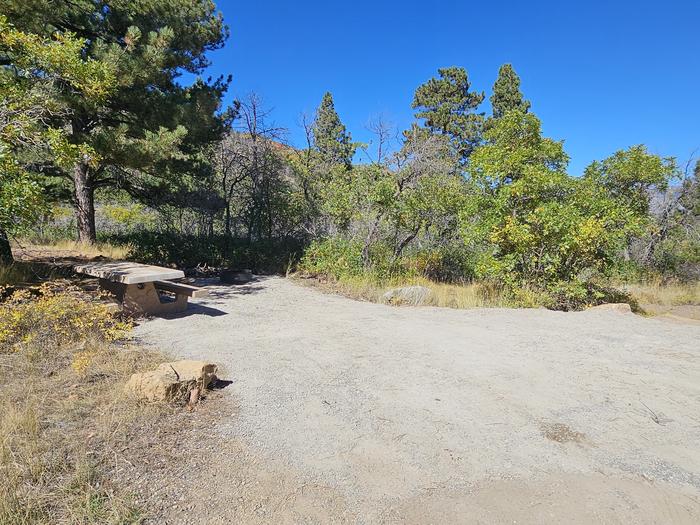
(669, 294)
(481, 295)
(468, 295)
(64, 421)
(67, 248)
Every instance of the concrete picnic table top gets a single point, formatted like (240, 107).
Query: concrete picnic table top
(128, 272)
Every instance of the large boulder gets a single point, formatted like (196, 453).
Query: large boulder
(172, 381)
(411, 295)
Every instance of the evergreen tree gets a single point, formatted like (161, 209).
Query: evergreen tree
(449, 108)
(506, 93)
(331, 139)
(27, 106)
(146, 130)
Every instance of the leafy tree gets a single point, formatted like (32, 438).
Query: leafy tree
(327, 156)
(147, 129)
(693, 202)
(330, 138)
(536, 227)
(448, 108)
(381, 210)
(506, 93)
(259, 197)
(670, 242)
(631, 174)
(27, 107)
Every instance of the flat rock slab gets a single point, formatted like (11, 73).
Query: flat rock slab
(129, 272)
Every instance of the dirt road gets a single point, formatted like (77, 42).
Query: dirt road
(344, 411)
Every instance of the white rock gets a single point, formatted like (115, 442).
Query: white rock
(622, 308)
(412, 295)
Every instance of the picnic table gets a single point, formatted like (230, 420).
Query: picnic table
(142, 288)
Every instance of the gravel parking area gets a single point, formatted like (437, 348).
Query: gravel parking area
(346, 411)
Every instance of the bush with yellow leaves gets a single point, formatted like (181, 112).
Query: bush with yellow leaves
(46, 319)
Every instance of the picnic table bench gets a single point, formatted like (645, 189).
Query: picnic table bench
(142, 288)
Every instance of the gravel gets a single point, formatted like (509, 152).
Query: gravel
(347, 411)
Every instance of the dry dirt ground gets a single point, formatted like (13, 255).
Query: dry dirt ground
(349, 412)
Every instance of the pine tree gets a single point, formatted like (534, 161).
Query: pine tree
(506, 93)
(449, 108)
(39, 67)
(331, 139)
(143, 133)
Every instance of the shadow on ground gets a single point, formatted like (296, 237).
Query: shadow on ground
(218, 293)
(194, 309)
(222, 291)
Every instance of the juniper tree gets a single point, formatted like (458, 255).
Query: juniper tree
(448, 107)
(149, 126)
(506, 93)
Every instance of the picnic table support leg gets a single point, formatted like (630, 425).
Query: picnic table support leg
(178, 305)
(143, 298)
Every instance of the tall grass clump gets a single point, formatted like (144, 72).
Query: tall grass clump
(337, 265)
(447, 295)
(662, 293)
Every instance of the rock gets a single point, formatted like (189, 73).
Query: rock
(413, 295)
(172, 381)
(622, 308)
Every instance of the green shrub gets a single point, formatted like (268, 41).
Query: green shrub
(542, 233)
(190, 251)
(339, 257)
(452, 263)
(335, 257)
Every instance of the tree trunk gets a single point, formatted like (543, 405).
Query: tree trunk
(5, 249)
(368, 241)
(399, 249)
(227, 223)
(84, 199)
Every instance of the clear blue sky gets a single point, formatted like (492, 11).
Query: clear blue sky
(600, 75)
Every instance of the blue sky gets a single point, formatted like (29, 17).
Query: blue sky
(600, 75)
